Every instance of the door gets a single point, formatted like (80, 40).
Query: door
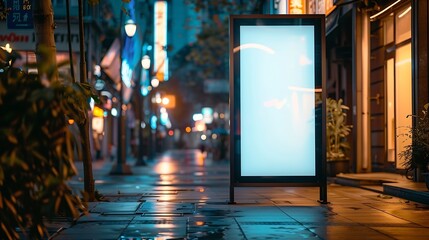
(377, 96)
(390, 89)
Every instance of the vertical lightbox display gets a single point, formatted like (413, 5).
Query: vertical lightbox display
(277, 102)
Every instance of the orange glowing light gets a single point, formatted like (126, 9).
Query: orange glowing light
(296, 7)
(71, 121)
(200, 159)
(169, 101)
(188, 129)
(98, 112)
(165, 167)
(199, 223)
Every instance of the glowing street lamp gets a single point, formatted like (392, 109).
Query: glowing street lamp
(154, 82)
(145, 62)
(121, 167)
(130, 28)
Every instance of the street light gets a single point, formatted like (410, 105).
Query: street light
(145, 63)
(154, 82)
(130, 28)
(121, 168)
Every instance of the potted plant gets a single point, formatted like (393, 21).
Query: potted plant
(336, 137)
(416, 154)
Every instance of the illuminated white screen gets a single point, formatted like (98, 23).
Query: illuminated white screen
(277, 70)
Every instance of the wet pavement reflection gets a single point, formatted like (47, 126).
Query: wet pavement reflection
(184, 195)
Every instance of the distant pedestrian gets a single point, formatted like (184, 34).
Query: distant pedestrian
(202, 147)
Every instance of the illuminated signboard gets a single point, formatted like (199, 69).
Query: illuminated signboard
(20, 15)
(160, 50)
(296, 7)
(276, 100)
(25, 39)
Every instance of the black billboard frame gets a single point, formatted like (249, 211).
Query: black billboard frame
(320, 178)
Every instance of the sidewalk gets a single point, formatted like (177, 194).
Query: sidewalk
(181, 195)
(387, 183)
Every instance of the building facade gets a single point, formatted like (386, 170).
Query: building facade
(377, 63)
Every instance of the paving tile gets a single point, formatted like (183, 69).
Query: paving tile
(255, 210)
(218, 234)
(156, 228)
(369, 218)
(276, 230)
(109, 207)
(218, 212)
(150, 207)
(91, 205)
(93, 230)
(96, 217)
(191, 202)
(405, 233)
(348, 231)
(135, 197)
(213, 228)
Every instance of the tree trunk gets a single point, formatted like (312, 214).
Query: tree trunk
(47, 68)
(84, 128)
(87, 161)
(45, 44)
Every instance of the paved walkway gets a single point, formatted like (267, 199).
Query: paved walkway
(181, 195)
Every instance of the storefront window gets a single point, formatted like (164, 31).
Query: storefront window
(403, 24)
(403, 98)
(388, 27)
(390, 109)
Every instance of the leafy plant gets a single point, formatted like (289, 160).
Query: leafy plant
(36, 151)
(336, 130)
(210, 52)
(416, 154)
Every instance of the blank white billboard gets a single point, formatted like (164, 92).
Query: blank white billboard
(277, 100)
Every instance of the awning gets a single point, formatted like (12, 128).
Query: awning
(111, 62)
(332, 20)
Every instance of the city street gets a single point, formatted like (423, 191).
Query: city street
(182, 195)
(153, 96)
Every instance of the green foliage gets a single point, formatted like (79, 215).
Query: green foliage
(336, 130)
(3, 10)
(416, 154)
(36, 151)
(210, 53)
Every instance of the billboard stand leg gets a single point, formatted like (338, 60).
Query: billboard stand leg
(231, 195)
(323, 194)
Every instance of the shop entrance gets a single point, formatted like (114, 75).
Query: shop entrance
(390, 88)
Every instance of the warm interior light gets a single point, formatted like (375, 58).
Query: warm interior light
(404, 12)
(384, 10)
